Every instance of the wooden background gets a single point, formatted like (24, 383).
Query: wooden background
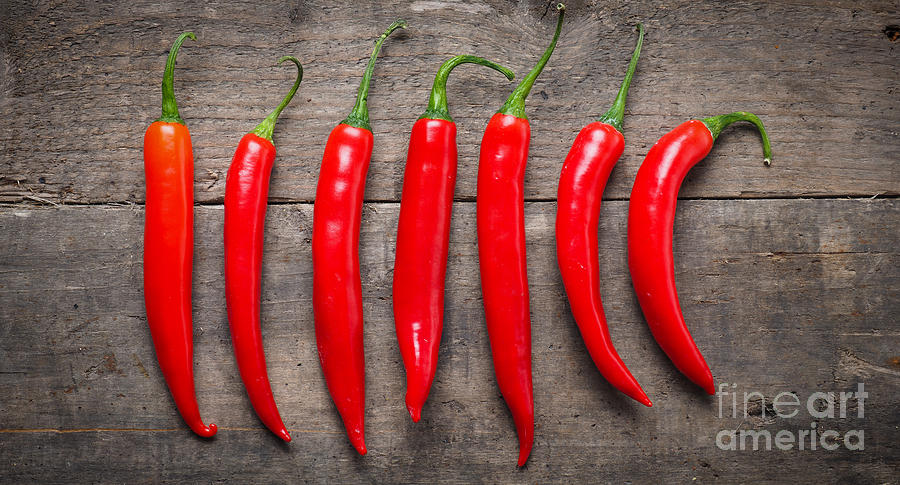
(789, 276)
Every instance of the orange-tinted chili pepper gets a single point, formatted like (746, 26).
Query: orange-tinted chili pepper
(337, 291)
(168, 247)
(595, 151)
(500, 216)
(246, 195)
(651, 216)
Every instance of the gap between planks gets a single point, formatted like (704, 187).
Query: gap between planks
(214, 203)
(148, 430)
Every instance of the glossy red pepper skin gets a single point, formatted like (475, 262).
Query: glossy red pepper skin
(337, 290)
(500, 215)
(423, 234)
(500, 221)
(651, 217)
(585, 171)
(246, 196)
(594, 153)
(168, 250)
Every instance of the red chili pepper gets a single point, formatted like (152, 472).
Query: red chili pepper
(651, 215)
(337, 292)
(423, 234)
(168, 247)
(595, 151)
(500, 215)
(246, 194)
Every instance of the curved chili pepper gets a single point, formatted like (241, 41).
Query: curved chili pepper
(168, 247)
(246, 194)
(595, 151)
(500, 220)
(337, 292)
(651, 216)
(423, 233)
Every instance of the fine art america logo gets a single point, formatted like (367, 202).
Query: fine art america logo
(818, 406)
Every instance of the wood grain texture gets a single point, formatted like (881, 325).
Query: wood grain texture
(80, 83)
(783, 292)
(781, 295)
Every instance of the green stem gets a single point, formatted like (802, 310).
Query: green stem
(169, 107)
(515, 104)
(359, 116)
(437, 103)
(717, 123)
(267, 126)
(616, 113)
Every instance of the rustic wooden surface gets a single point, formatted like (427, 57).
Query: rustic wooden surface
(789, 276)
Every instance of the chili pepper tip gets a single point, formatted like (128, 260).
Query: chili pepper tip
(414, 413)
(524, 454)
(646, 402)
(360, 448)
(207, 431)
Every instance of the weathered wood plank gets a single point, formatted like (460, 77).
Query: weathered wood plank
(314, 458)
(80, 83)
(781, 295)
